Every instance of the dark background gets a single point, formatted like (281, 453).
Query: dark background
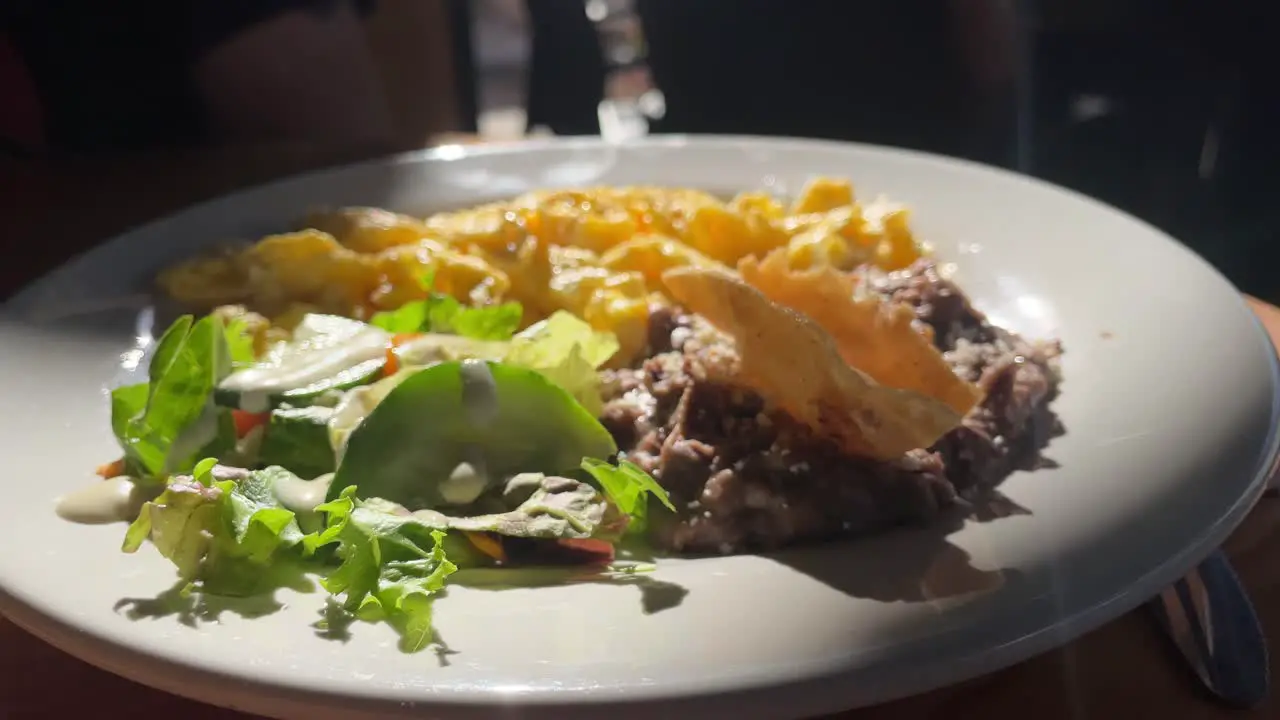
(1169, 109)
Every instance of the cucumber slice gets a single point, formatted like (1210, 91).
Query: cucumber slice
(297, 439)
(326, 353)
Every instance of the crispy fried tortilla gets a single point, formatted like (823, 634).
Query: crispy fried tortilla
(876, 337)
(795, 365)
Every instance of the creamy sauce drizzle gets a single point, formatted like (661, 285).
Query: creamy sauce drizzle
(480, 402)
(355, 406)
(479, 392)
(302, 496)
(467, 482)
(117, 499)
(433, 348)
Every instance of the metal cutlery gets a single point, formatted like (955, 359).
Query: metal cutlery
(1208, 616)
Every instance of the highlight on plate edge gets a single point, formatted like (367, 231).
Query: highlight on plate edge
(553, 383)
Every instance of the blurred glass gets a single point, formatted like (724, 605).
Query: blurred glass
(630, 99)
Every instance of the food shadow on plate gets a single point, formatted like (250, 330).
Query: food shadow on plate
(909, 564)
(656, 595)
(191, 607)
(918, 563)
(335, 622)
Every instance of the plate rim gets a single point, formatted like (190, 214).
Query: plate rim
(158, 672)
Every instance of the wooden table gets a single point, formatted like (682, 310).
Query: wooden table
(48, 213)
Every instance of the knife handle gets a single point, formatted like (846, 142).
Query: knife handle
(1212, 623)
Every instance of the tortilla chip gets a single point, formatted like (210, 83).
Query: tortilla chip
(876, 337)
(795, 365)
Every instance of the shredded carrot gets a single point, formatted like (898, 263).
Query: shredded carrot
(393, 360)
(112, 469)
(592, 547)
(247, 421)
(487, 544)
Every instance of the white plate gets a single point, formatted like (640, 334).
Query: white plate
(1169, 403)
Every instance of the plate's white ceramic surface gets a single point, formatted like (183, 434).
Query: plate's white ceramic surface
(1169, 405)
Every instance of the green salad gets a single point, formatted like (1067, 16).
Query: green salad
(387, 455)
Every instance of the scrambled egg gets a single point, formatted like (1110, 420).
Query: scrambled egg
(598, 253)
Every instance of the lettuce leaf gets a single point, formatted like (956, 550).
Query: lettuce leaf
(445, 314)
(410, 446)
(545, 507)
(127, 402)
(629, 487)
(169, 422)
(562, 348)
(568, 352)
(239, 338)
(221, 528)
(395, 563)
(408, 318)
(491, 322)
(393, 567)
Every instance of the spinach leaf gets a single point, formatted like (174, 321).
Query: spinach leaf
(177, 423)
(240, 342)
(505, 418)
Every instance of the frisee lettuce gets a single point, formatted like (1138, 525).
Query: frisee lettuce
(393, 567)
(222, 535)
(568, 352)
(629, 487)
(226, 533)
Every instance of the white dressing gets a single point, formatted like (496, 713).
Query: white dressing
(117, 499)
(465, 484)
(435, 348)
(356, 406)
(469, 480)
(302, 496)
(479, 392)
